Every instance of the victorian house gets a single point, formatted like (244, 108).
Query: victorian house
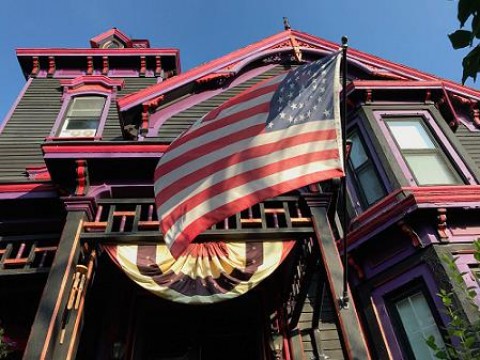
(79, 150)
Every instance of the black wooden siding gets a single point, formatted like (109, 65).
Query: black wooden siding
(470, 141)
(30, 123)
(320, 299)
(178, 123)
(112, 130)
(33, 119)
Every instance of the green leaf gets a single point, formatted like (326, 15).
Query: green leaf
(465, 9)
(441, 355)
(431, 343)
(471, 64)
(476, 26)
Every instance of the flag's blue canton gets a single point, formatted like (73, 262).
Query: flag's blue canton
(305, 94)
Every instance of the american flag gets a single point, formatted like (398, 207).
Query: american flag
(278, 136)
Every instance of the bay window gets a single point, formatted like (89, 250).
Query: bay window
(422, 154)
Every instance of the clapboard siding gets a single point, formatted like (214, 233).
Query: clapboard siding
(27, 128)
(319, 297)
(470, 140)
(180, 122)
(33, 119)
(112, 130)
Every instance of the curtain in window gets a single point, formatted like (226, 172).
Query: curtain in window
(207, 272)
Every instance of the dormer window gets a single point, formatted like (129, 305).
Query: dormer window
(86, 101)
(83, 117)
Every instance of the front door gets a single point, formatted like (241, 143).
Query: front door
(229, 330)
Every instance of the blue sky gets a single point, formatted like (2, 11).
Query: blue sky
(410, 32)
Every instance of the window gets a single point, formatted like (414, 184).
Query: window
(415, 323)
(368, 186)
(422, 155)
(83, 116)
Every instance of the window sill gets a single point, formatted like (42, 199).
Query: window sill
(65, 138)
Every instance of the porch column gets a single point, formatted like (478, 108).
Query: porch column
(350, 327)
(47, 340)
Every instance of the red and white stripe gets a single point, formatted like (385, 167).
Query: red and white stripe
(229, 162)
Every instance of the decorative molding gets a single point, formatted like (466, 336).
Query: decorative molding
(84, 204)
(472, 107)
(158, 65)
(91, 84)
(410, 233)
(89, 65)
(105, 65)
(147, 108)
(368, 96)
(51, 66)
(82, 178)
(35, 66)
(442, 224)
(143, 65)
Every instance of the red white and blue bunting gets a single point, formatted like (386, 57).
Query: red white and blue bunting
(205, 273)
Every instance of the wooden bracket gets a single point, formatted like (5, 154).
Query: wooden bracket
(51, 66)
(35, 66)
(82, 178)
(89, 65)
(412, 235)
(442, 224)
(105, 67)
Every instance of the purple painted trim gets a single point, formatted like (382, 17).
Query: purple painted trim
(101, 155)
(28, 195)
(437, 133)
(158, 119)
(468, 124)
(378, 299)
(373, 156)
(15, 104)
(390, 260)
(96, 192)
(465, 262)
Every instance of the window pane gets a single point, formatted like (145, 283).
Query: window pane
(86, 106)
(419, 324)
(410, 134)
(430, 169)
(83, 116)
(370, 184)
(357, 154)
(81, 124)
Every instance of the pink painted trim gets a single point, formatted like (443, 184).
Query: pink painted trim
(25, 187)
(15, 104)
(405, 200)
(101, 148)
(94, 42)
(268, 44)
(97, 52)
(161, 116)
(86, 80)
(230, 59)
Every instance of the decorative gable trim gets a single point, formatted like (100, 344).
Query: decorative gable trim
(97, 41)
(91, 84)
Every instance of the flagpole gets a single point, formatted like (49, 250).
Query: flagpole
(344, 299)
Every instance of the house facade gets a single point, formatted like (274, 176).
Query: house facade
(82, 263)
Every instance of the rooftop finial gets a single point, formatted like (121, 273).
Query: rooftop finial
(286, 24)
